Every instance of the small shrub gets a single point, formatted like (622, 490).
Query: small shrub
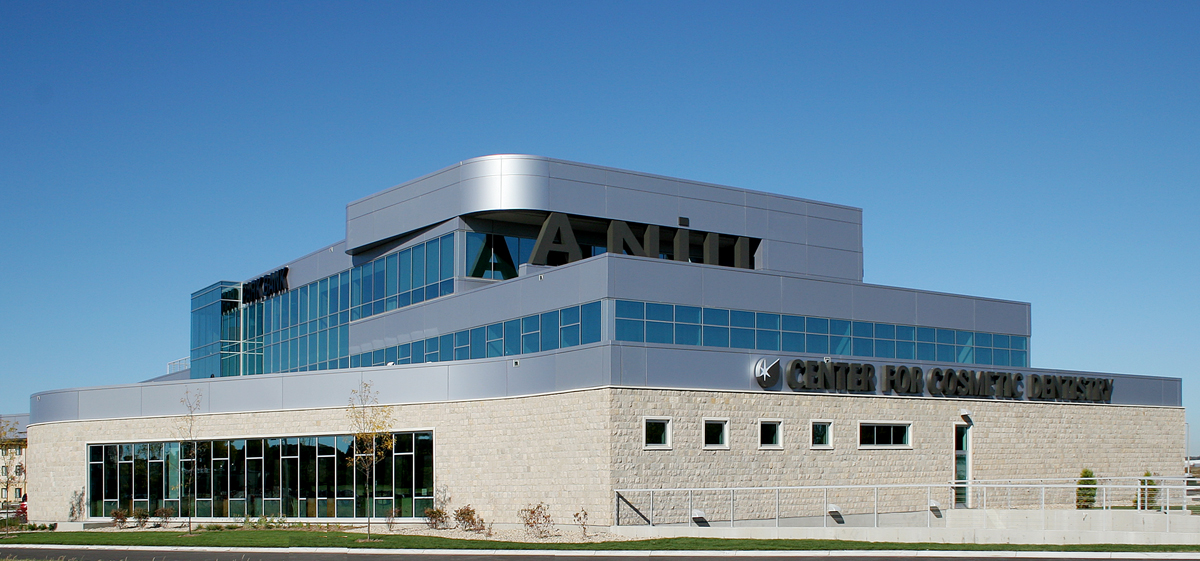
(214, 527)
(1085, 494)
(119, 517)
(581, 520)
(392, 514)
(436, 518)
(232, 526)
(536, 519)
(164, 515)
(468, 520)
(1147, 495)
(141, 516)
(53, 526)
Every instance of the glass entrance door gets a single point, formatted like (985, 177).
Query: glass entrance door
(962, 465)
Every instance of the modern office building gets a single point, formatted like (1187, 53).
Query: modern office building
(552, 331)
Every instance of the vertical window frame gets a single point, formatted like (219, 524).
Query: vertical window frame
(779, 444)
(828, 434)
(646, 420)
(704, 422)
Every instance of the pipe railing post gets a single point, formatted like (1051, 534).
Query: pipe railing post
(876, 508)
(776, 507)
(732, 518)
(1043, 507)
(690, 517)
(651, 508)
(928, 507)
(618, 505)
(825, 510)
(1167, 505)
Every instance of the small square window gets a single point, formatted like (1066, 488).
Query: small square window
(769, 434)
(716, 434)
(656, 434)
(820, 434)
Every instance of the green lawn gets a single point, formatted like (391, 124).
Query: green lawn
(305, 538)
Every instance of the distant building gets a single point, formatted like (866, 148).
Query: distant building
(13, 444)
(554, 331)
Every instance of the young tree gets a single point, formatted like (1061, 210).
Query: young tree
(187, 434)
(1085, 493)
(11, 469)
(370, 426)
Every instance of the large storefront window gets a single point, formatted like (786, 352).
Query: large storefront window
(294, 477)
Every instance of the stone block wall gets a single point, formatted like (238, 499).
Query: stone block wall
(571, 450)
(1009, 440)
(499, 455)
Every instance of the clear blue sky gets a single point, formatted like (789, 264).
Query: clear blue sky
(1045, 152)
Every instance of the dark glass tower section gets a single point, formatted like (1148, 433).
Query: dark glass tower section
(216, 331)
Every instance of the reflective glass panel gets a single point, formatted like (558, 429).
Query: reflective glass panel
(687, 314)
(660, 312)
(716, 316)
(630, 330)
(792, 342)
(741, 338)
(660, 332)
(716, 336)
(630, 310)
(687, 334)
(864, 329)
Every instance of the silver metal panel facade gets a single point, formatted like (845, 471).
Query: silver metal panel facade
(810, 265)
(494, 183)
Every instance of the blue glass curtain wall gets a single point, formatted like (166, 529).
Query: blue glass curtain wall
(715, 327)
(294, 477)
(422, 272)
(216, 341)
(562, 328)
(307, 327)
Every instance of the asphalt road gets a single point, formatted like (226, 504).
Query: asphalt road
(82, 554)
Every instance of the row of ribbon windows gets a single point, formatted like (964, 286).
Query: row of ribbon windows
(566, 327)
(716, 327)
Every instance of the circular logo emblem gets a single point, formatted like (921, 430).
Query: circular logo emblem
(766, 372)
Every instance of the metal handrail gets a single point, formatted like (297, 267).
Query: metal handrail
(955, 483)
(1151, 497)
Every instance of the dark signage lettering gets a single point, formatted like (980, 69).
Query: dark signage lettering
(265, 286)
(828, 376)
(974, 383)
(1069, 388)
(810, 375)
(766, 372)
(903, 379)
(556, 243)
